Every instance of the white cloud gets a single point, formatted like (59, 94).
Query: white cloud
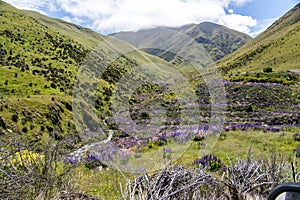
(67, 19)
(133, 15)
(74, 20)
(238, 22)
(108, 16)
(36, 5)
(240, 2)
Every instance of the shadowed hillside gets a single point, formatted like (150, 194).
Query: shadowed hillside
(217, 40)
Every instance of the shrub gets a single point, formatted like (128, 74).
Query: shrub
(222, 136)
(92, 161)
(15, 118)
(296, 137)
(24, 129)
(243, 179)
(26, 174)
(53, 85)
(162, 141)
(268, 69)
(24, 158)
(297, 152)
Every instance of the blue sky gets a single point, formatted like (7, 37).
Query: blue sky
(108, 16)
(265, 11)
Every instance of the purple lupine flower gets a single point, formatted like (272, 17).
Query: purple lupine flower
(70, 160)
(209, 161)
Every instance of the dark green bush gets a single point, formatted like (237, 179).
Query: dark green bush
(267, 69)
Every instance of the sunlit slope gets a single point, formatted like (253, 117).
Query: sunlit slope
(84, 36)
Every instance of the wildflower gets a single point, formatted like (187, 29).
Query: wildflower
(209, 161)
(25, 158)
(199, 137)
(154, 139)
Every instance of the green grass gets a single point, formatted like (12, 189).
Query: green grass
(37, 118)
(84, 36)
(36, 53)
(16, 82)
(237, 144)
(105, 183)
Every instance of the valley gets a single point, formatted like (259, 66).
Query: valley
(78, 114)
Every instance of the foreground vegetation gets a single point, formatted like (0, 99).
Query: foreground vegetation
(242, 165)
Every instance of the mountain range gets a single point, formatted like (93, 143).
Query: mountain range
(217, 40)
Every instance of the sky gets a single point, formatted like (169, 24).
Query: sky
(110, 16)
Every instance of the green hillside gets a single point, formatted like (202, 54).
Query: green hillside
(35, 59)
(277, 47)
(218, 40)
(37, 70)
(39, 59)
(84, 36)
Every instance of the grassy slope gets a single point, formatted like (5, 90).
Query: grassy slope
(32, 48)
(82, 35)
(277, 47)
(37, 71)
(87, 37)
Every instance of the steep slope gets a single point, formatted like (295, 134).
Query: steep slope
(84, 36)
(217, 40)
(37, 70)
(38, 67)
(277, 47)
(34, 58)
